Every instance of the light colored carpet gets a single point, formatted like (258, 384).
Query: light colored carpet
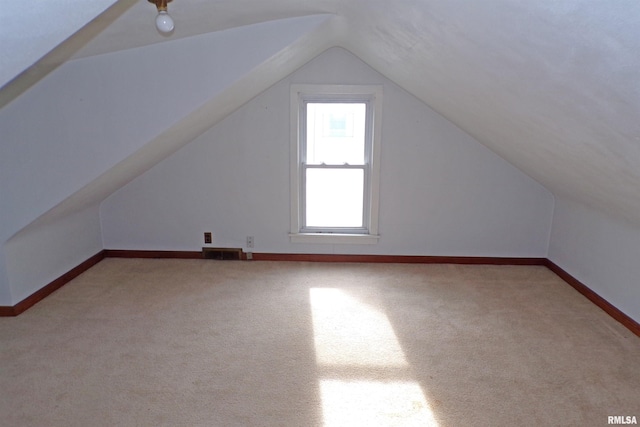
(228, 343)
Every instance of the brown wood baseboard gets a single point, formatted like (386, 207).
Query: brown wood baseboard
(44, 292)
(605, 305)
(401, 259)
(124, 253)
(7, 311)
(629, 323)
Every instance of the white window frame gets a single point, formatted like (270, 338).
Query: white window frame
(372, 95)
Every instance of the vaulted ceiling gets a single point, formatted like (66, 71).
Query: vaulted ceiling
(551, 86)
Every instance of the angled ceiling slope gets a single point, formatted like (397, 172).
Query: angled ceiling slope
(28, 32)
(551, 86)
(129, 148)
(69, 141)
(35, 40)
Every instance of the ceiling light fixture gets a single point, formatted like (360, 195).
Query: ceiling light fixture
(164, 23)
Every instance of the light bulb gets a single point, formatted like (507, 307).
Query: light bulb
(164, 23)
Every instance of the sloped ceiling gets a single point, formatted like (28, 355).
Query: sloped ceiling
(96, 123)
(551, 86)
(28, 31)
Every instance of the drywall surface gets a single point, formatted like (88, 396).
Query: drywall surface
(442, 192)
(29, 31)
(599, 251)
(5, 292)
(91, 114)
(39, 255)
(551, 86)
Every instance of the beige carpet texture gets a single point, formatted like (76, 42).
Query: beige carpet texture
(144, 342)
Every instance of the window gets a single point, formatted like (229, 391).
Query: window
(335, 144)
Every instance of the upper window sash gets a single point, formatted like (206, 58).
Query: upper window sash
(357, 141)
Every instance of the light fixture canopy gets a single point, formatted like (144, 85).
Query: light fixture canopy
(164, 23)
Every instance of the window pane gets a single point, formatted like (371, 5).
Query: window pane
(336, 133)
(334, 197)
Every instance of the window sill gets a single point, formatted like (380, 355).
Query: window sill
(334, 238)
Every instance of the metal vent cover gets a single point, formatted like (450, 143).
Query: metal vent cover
(222, 253)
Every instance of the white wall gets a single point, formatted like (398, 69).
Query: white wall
(91, 114)
(5, 292)
(601, 252)
(40, 254)
(442, 192)
(32, 32)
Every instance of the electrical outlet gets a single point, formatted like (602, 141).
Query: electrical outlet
(208, 238)
(249, 241)
(249, 255)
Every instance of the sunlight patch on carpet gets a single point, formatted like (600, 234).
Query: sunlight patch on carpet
(355, 342)
(374, 403)
(350, 333)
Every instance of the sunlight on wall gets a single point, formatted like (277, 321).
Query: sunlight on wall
(355, 343)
